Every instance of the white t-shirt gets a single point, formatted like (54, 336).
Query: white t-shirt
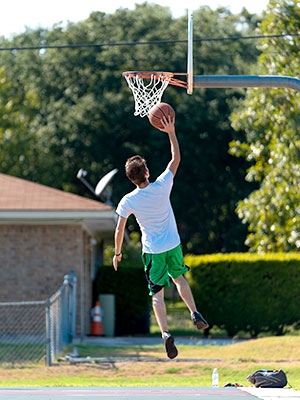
(153, 211)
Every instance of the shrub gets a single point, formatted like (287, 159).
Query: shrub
(132, 299)
(247, 292)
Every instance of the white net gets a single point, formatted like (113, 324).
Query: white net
(146, 91)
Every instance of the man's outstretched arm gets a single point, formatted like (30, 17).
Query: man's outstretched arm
(119, 236)
(169, 127)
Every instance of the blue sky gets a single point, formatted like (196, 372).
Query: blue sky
(16, 14)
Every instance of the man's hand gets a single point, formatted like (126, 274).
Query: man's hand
(168, 124)
(116, 259)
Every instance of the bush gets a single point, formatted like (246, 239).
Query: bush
(247, 292)
(129, 285)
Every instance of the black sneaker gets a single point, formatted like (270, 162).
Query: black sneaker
(199, 321)
(168, 341)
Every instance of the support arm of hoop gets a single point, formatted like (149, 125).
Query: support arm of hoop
(230, 81)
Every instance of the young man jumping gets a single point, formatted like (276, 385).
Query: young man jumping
(161, 252)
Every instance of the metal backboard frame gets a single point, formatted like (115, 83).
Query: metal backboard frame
(231, 81)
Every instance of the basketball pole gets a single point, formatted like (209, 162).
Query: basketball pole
(190, 54)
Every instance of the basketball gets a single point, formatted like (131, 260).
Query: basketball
(157, 113)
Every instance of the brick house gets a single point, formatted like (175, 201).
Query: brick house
(44, 233)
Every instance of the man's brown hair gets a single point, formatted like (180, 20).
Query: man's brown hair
(136, 168)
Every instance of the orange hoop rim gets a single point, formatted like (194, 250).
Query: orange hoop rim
(158, 74)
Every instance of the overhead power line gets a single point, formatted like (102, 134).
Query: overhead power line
(72, 46)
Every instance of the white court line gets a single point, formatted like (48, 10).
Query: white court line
(273, 394)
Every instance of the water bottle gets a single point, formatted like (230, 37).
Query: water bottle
(215, 378)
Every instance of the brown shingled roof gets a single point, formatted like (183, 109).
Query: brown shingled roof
(20, 194)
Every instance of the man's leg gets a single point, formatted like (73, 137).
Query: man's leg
(160, 312)
(157, 277)
(185, 293)
(159, 308)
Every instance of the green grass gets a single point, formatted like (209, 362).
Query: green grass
(237, 361)
(278, 348)
(22, 351)
(140, 375)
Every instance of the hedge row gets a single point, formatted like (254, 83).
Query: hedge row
(132, 297)
(247, 292)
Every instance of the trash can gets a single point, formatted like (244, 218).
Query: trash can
(107, 302)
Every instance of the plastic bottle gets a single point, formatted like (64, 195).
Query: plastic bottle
(215, 378)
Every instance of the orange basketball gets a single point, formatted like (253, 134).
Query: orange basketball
(159, 111)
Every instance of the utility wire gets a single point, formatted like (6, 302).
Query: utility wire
(72, 46)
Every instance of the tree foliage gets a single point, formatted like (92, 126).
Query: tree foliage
(270, 118)
(16, 143)
(82, 113)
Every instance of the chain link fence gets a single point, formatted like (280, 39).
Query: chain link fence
(36, 331)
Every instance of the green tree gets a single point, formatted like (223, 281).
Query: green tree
(85, 115)
(17, 148)
(270, 118)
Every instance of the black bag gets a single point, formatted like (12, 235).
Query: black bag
(267, 378)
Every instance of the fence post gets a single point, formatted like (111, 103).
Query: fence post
(65, 311)
(48, 333)
(74, 307)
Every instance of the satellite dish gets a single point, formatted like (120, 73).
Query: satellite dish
(101, 185)
(81, 174)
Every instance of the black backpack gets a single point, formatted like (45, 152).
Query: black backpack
(267, 378)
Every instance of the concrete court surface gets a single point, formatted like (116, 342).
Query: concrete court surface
(136, 393)
(124, 341)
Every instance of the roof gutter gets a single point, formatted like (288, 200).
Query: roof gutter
(56, 215)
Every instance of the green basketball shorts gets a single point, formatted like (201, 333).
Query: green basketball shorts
(160, 267)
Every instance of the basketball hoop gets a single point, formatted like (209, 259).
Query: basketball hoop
(148, 88)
